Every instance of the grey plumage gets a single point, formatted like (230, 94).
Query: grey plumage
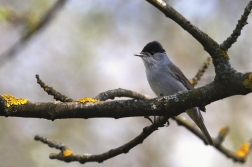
(166, 78)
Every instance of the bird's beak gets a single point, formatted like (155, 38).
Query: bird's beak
(140, 54)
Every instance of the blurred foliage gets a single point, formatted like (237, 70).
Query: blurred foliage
(88, 48)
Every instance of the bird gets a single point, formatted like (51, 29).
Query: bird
(165, 79)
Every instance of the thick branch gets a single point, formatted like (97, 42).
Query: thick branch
(168, 105)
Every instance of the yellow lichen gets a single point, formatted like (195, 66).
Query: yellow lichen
(67, 153)
(248, 82)
(192, 82)
(224, 53)
(244, 150)
(12, 100)
(224, 131)
(87, 99)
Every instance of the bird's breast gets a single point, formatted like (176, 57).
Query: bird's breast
(163, 82)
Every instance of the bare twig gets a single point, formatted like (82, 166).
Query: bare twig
(111, 94)
(12, 51)
(201, 71)
(237, 31)
(68, 155)
(222, 135)
(190, 126)
(111, 153)
(56, 95)
(217, 141)
(233, 155)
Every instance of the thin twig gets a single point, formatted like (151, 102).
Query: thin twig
(56, 95)
(111, 153)
(237, 31)
(111, 94)
(197, 77)
(190, 126)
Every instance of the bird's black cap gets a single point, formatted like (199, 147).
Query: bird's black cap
(153, 47)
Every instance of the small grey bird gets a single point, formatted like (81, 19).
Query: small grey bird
(165, 78)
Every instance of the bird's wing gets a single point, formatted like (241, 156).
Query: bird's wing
(178, 74)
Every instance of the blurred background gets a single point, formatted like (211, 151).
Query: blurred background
(88, 48)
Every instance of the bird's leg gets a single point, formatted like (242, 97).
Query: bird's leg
(149, 119)
(157, 118)
(167, 123)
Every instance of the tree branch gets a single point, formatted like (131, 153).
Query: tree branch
(208, 43)
(238, 84)
(104, 156)
(220, 57)
(64, 156)
(237, 31)
(111, 94)
(201, 71)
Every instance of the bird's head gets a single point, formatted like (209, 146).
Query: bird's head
(153, 54)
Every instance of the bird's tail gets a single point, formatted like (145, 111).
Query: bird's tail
(196, 116)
